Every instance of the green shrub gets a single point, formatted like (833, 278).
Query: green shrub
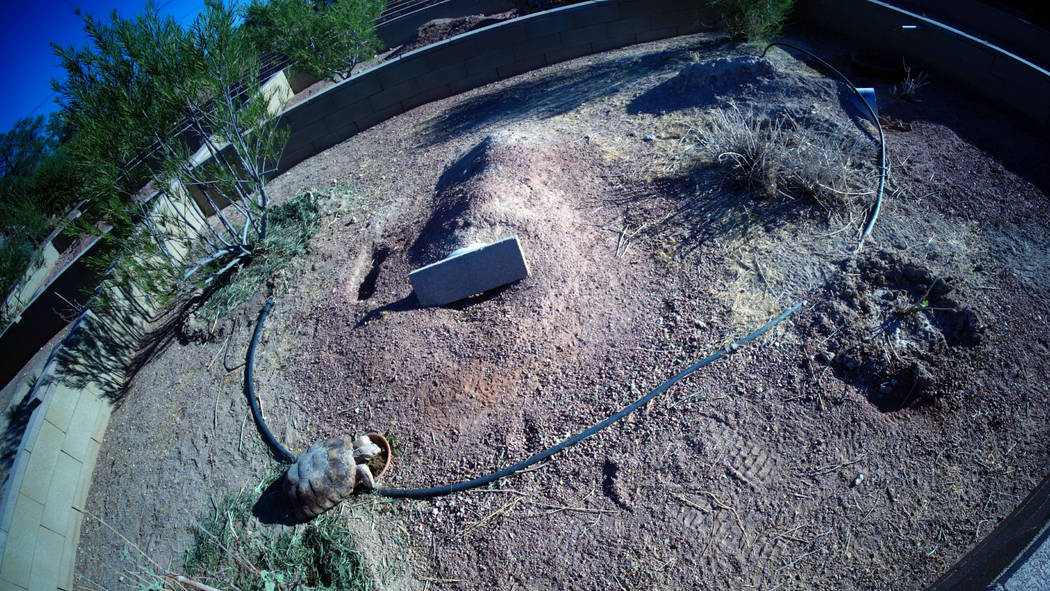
(753, 20)
(326, 39)
(16, 253)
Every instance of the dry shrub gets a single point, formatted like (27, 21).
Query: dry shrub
(778, 157)
(908, 88)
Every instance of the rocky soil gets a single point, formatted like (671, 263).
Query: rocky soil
(866, 443)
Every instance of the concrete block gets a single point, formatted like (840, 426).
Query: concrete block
(442, 76)
(84, 426)
(6, 585)
(634, 8)
(500, 35)
(593, 15)
(523, 63)
(63, 403)
(449, 52)
(47, 560)
(394, 94)
(489, 60)
(84, 478)
(59, 503)
(14, 482)
(377, 114)
(653, 34)
(567, 52)
(17, 563)
(469, 271)
(680, 19)
(474, 81)
(102, 422)
(69, 554)
(430, 93)
(277, 91)
(366, 83)
(42, 461)
(403, 68)
(624, 31)
(347, 98)
(546, 24)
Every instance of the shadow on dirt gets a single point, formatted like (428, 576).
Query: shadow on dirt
(273, 506)
(409, 302)
(707, 84)
(547, 97)
(706, 207)
(114, 342)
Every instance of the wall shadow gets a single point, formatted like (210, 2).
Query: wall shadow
(547, 97)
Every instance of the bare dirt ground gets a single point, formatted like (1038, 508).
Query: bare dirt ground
(867, 443)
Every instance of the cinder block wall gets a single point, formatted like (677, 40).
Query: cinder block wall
(42, 509)
(877, 26)
(477, 58)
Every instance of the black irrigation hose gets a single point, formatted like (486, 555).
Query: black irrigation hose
(275, 446)
(874, 118)
(422, 493)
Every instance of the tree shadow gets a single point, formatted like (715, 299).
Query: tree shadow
(17, 420)
(113, 342)
(705, 207)
(548, 96)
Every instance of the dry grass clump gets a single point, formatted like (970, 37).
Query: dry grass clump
(778, 157)
(908, 88)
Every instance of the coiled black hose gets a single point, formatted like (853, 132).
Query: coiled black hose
(422, 493)
(275, 446)
(877, 207)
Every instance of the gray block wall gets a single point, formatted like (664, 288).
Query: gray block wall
(477, 58)
(876, 26)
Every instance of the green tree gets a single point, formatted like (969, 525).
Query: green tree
(137, 96)
(753, 20)
(34, 184)
(326, 39)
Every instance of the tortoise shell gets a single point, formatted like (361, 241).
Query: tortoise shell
(321, 477)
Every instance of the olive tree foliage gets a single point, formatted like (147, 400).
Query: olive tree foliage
(142, 96)
(324, 38)
(753, 20)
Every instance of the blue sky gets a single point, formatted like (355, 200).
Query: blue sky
(28, 28)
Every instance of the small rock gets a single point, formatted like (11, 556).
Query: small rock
(859, 479)
(649, 137)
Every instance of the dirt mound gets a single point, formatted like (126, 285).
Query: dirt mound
(471, 370)
(894, 330)
(726, 80)
(478, 201)
(446, 28)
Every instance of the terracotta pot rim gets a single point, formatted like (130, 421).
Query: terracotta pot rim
(388, 454)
